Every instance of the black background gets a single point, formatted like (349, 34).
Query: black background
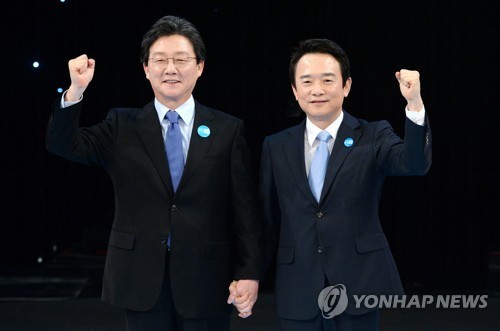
(443, 228)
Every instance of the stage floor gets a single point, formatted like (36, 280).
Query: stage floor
(89, 314)
(64, 295)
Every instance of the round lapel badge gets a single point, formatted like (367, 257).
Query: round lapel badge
(348, 142)
(203, 131)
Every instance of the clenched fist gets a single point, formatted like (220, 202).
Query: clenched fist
(81, 72)
(409, 84)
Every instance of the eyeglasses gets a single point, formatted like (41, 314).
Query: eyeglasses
(179, 62)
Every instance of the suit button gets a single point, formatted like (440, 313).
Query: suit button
(173, 208)
(163, 241)
(319, 215)
(320, 249)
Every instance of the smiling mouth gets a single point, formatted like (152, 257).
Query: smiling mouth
(318, 101)
(171, 81)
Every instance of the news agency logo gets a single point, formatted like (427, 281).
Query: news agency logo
(332, 300)
(421, 301)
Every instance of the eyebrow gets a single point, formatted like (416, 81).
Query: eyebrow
(327, 74)
(165, 54)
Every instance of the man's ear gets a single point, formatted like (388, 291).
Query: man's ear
(347, 87)
(146, 70)
(294, 90)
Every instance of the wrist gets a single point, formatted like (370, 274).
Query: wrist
(416, 105)
(73, 94)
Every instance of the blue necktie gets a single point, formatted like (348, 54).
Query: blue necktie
(319, 164)
(173, 145)
(175, 155)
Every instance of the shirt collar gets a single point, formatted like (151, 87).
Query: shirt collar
(185, 111)
(312, 130)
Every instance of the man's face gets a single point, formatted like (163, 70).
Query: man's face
(172, 83)
(319, 89)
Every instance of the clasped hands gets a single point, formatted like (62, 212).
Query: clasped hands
(243, 295)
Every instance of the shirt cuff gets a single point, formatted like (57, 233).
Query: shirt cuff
(65, 104)
(417, 117)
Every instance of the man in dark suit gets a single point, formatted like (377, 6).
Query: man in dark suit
(186, 222)
(326, 232)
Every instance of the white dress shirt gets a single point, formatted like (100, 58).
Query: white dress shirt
(186, 121)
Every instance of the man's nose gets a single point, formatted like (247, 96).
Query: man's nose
(317, 88)
(170, 66)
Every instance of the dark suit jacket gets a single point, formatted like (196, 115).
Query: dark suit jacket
(341, 237)
(212, 216)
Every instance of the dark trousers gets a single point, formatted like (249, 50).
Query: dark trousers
(163, 316)
(342, 322)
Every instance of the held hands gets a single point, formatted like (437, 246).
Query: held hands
(81, 72)
(243, 295)
(409, 84)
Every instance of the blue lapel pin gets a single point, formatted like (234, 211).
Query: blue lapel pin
(203, 131)
(348, 142)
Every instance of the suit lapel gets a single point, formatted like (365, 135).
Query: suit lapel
(198, 145)
(294, 149)
(348, 129)
(150, 132)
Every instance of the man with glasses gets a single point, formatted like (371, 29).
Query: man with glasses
(185, 222)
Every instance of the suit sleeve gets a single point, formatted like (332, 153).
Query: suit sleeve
(409, 157)
(87, 145)
(247, 229)
(269, 206)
